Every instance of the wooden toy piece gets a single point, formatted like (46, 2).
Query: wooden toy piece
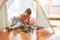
(18, 30)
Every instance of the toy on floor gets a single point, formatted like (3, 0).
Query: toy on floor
(19, 28)
(27, 28)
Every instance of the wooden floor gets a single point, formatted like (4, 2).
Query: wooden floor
(40, 34)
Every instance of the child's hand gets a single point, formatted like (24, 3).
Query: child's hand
(22, 24)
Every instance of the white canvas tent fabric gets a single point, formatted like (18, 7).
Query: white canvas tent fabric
(41, 19)
(9, 3)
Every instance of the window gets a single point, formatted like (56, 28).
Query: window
(56, 3)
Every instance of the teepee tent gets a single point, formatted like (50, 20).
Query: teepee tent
(41, 19)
